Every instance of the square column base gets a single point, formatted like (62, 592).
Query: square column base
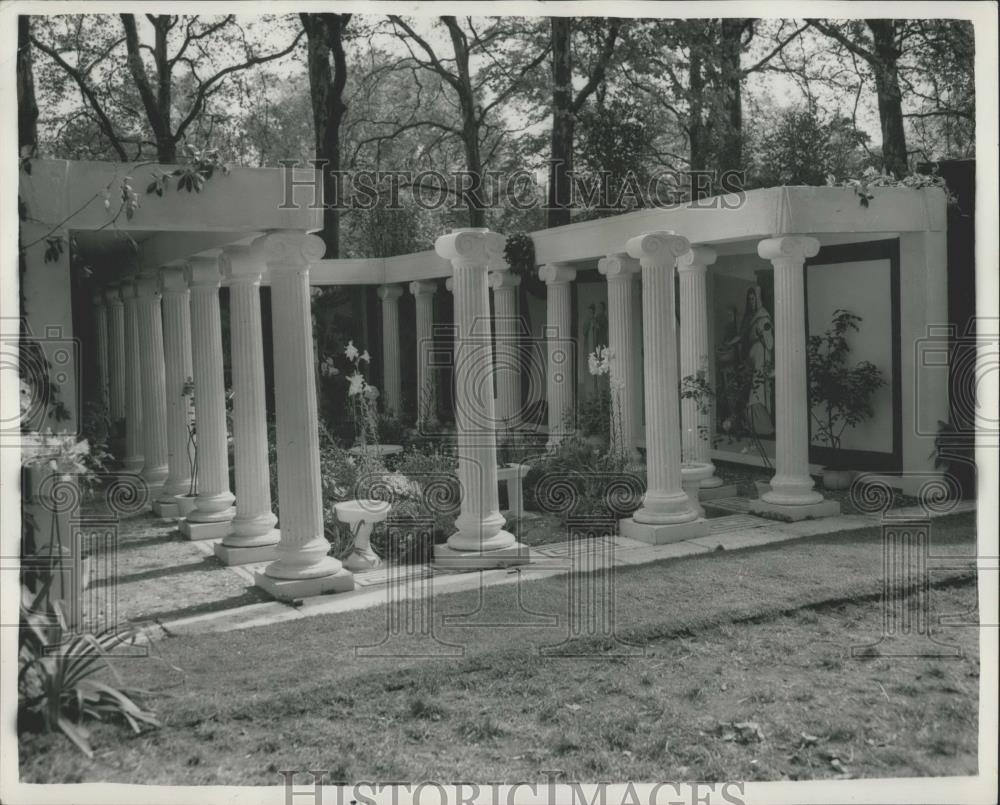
(662, 534)
(715, 492)
(516, 554)
(791, 513)
(293, 589)
(246, 556)
(199, 531)
(166, 510)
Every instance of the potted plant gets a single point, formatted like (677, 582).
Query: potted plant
(186, 502)
(840, 396)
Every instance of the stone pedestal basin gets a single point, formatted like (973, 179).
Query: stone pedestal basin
(361, 516)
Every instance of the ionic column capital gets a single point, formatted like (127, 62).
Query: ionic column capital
(449, 285)
(243, 264)
(98, 299)
(556, 273)
(792, 249)
(499, 280)
(147, 285)
(173, 280)
(471, 248)
(659, 248)
(291, 249)
(202, 273)
(423, 287)
(389, 292)
(699, 258)
(618, 266)
(128, 290)
(113, 296)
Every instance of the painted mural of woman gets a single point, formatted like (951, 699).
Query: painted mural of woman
(757, 343)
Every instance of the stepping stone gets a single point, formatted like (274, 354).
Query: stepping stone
(735, 522)
(736, 505)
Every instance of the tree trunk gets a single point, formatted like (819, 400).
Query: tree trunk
(563, 120)
(697, 132)
(324, 34)
(27, 105)
(731, 111)
(890, 98)
(474, 164)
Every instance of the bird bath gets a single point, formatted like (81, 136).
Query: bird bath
(361, 516)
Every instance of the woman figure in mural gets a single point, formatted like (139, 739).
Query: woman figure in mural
(727, 356)
(757, 347)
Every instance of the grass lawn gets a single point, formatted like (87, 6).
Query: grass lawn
(740, 669)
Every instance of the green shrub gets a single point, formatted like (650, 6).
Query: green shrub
(57, 688)
(576, 480)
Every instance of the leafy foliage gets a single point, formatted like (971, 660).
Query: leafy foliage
(58, 674)
(843, 394)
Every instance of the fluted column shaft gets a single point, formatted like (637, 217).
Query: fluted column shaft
(559, 340)
(507, 360)
(791, 483)
(254, 522)
(695, 423)
(423, 296)
(621, 272)
(215, 500)
(116, 355)
(133, 460)
(176, 307)
(302, 550)
(665, 501)
(101, 325)
(480, 524)
(391, 370)
(154, 401)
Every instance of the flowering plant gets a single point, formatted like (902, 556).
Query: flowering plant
(599, 361)
(602, 414)
(361, 397)
(60, 451)
(873, 178)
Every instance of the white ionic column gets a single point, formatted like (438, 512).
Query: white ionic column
(791, 487)
(561, 358)
(423, 297)
(666, 514)
(253, 534)
(116, 355)
(621, 272)
(696, 441)
(480, 540)
(391, 378)
(303, 566)
(507, 359)
(101, 323)
(213, 510)
(176, 306)
(154, 401)
(133, 460)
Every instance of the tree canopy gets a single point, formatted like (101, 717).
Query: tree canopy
(557, 108)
